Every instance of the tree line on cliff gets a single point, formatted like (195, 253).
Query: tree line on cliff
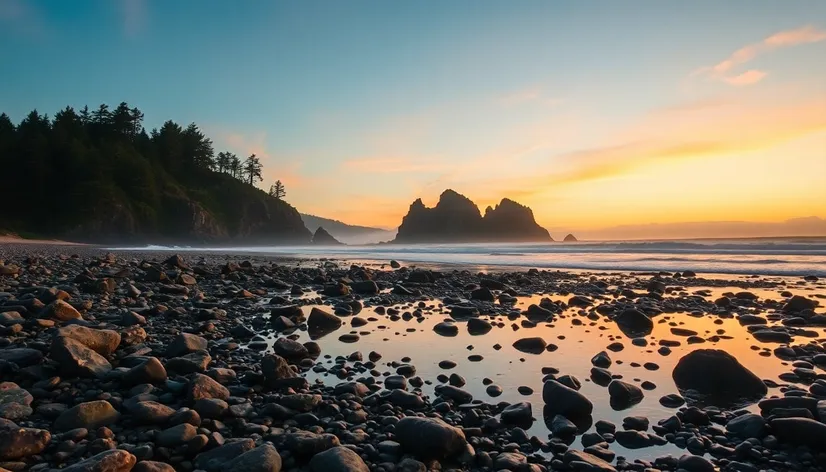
(94, 172)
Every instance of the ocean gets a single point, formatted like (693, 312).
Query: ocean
(776, 256)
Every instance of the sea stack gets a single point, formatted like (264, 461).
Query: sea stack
(323, 238)
(456, 219)
(570, 238)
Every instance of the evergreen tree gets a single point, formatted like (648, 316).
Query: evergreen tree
(277, 190)
(252, 170)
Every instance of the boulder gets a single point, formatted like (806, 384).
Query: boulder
(200, 386)
(150, 371)
(321, 323)
(18, 443)
(113, 460)
(75, 359)
(747, 426)
(534, 345)
(712, 376)
(215, 459)
(150, 412)
(261, 459)
(634, 323)
(624, 394)
(800, 432)
(338, 459)
(429, 438)
(61, 311)
(290, 350)
(102, 341)
(185, 343)
(89, 415)
(562, 400)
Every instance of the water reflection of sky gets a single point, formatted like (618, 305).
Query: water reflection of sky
(510, 369)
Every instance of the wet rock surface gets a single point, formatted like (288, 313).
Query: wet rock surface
(149, 362)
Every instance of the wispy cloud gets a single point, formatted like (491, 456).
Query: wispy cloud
(724, 70)
(134, 16)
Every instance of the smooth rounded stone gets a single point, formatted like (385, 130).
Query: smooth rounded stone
(748, 319)
(200, 386)
(405, 399)
(536, 312)
(633, 439)
(89, 415)
(357, 322)
(338, 459)
(22, 356)
(18, 443)
(321, 322)
(395, 382)
(214, 460)
(447, 364)
(349, 338)
(211, 408)
(454, 393)
(185, 343)
(446, 328)
(601, 360)
(634, 323)
(493, 390)
(799, 303)
(75, 359)
(600, 376)
(510, 461)
(565, 401)
(353, 388)
(579, 460)
(290, 350)
(615, 347)
(263, 458)
(569, 381)
(61, 311)
(456, 380)
(429, 438)
(691, 463)
(716, 377)
(150, 371)
(638, 423)
(365, 287)
(517, 413)
(623, 394)
(800, 431)
(456, 311)
(113, 460)
(772, 336)
(282, 323)
(152, 466)
(102, 341)
(476, 326)
(176, 435)
(672, 400)
(150, 412)
(301, 402)
(605, 427)
(747, 426)
(524, 390)
(561, 426)
(533, 345)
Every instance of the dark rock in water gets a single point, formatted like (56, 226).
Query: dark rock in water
(772, 336)
(291, 350)
(570, 238)
(322, 238)
(446, 329)
(530, 345)
(89, 415)
(634, 323)
(405, 399)
(113, 460)
(430, 438)
(75, 359)
(18, 443)
(365, 287)
(518, 414)
(457, 219)
(476, 326)
(800, 431)
(538, 313)
(395, 265)
(562, 426)
(632, 439)
(454, 393)
(321, 323)
(672, 400)
(624, 395)
(747, 426)
(338, 459)
(565, 401)
(601, 360)
(799, 303)
(263, 458)
(711, 376)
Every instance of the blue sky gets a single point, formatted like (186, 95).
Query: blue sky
(363, 106)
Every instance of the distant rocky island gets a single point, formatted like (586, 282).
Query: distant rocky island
(457, 219)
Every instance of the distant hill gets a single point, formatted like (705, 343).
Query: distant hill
(456, 219)
(348, 234)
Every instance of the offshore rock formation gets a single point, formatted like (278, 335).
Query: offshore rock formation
(323, 238)
(456, 219)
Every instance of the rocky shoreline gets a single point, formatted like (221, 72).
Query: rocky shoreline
(156, 362)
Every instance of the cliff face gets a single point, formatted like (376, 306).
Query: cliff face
(456, 219)
(221, 211)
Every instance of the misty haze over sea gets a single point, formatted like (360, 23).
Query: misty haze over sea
(777, 256)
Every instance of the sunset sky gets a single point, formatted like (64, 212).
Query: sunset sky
(593, 113)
